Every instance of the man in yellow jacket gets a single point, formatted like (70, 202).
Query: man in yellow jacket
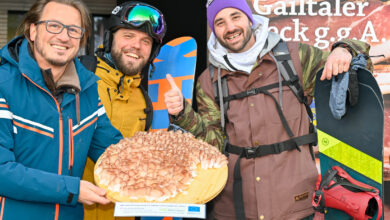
(131, 42)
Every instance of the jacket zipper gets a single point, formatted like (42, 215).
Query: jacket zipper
(71, 147)
(61, 144)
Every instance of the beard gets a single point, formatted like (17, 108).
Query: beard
(247, 36)
(127, 67)
(39, 48)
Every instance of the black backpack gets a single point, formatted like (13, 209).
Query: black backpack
(285, 68)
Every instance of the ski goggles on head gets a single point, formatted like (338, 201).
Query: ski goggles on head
(138, 15)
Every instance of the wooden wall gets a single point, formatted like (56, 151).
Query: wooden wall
(95, 7)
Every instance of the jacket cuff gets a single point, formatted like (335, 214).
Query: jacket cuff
(173, 118)
(343, 45)
(72, 185)
(177, 120)
(356, 47)
(353, 46)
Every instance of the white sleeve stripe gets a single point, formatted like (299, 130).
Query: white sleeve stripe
(6, 114)
(33, 123)
(85, 120)
(101, 111)
(2, 100)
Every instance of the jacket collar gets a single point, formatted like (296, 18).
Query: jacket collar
(70, 78)
(27, 65)
(252, 76)
(272, 41)
(114, 77)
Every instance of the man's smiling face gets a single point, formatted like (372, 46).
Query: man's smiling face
(131, 50)
(55, 49)
(233, 30)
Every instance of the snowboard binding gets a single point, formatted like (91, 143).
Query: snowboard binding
(337, 189)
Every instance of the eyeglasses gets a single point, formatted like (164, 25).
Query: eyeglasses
(138, 15)
(209, 3)
(56, 27)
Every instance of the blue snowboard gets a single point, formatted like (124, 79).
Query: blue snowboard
(178, 58)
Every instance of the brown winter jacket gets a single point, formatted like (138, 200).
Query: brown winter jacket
(277, 186)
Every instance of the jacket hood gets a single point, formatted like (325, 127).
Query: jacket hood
(10, 52)
(116, 78)
(264, 39)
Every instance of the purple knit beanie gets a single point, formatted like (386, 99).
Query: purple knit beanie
(214, 6)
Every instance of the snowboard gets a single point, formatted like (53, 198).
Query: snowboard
(355, 142)
(178, 58)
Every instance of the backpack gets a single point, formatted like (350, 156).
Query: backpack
(285, 68)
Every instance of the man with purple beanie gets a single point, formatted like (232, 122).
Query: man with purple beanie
(256, 114)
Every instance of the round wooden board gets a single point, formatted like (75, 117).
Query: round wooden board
(203, 188)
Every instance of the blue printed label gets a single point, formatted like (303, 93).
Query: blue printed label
(193, 209)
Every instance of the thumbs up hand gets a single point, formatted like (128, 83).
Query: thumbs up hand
(173, 98)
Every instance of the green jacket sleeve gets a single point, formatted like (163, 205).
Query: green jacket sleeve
(204, 124)
(313, 59)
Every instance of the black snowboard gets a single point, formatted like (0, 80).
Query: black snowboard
(355, 142)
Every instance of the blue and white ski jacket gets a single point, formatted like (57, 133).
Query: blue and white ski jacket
(42, 147)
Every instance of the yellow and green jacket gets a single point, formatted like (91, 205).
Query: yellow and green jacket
(129, 109)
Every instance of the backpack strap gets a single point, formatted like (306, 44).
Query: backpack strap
(148, 110)
(286, 68)
(221, 92)
(89, 62)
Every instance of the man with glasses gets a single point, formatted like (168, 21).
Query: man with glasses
(56, 27)
(51, 117)
(132, 40)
